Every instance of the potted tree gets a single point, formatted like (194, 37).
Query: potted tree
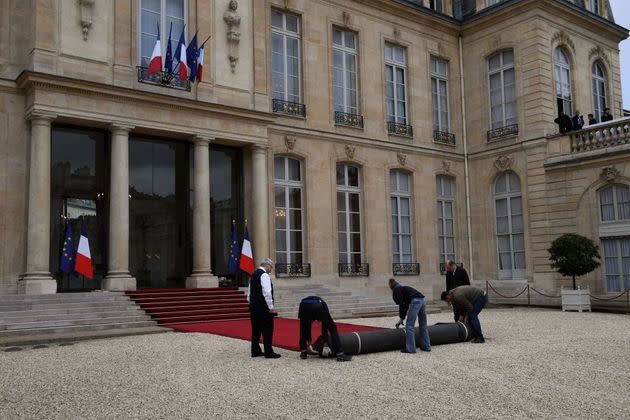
(574, 255)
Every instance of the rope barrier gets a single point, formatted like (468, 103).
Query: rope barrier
(612, 298)
(545, 295)
(506, 297)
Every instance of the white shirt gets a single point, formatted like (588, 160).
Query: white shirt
(265, 282)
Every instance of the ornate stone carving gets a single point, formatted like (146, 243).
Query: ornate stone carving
(598, 52)
(402, 158)
(609, 174)
(289, 141)
(561, 38)
(233, 22)
(287, 4)
(345, 16)
(503, 163)
(350, 151)
(446, 166)
(86, 16)
(397, 34)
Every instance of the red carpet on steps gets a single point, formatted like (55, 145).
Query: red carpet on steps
(286, 332)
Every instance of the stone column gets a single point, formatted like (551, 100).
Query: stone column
(118, 277)
(260, 204)
(202, 271)
(37, 279)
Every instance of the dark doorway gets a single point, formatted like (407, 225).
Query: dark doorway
(159, 212)
(79, 185)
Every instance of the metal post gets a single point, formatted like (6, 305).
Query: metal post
(528, 296)
(628, 301)
(487, 288)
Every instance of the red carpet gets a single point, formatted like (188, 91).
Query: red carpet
(286, 331)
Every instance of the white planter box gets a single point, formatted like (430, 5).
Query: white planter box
(576, 300)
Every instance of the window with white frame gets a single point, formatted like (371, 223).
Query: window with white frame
(345, 76)
(349, 213)
(288, 212)
(502, 86)
(437, 5)
(599, 90)
(563, 81)
(595, 6)
(439, 94)
(285, 56)
(445, 186)
(614, 202)
(164, 13)
(395, 83)
(400, 184)
(509, 226)
(617, 263)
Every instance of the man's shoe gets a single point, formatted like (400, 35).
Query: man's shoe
(258, 354)
(272, 356)
(478, 340)
(344, 357)
(405, 351)
(303, 355)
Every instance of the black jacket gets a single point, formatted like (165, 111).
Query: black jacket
(257, 302)
(456, 279)
(402, 296)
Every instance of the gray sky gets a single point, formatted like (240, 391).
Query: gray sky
(621, 10)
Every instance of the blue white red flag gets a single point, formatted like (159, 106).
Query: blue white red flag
(155, 63)
(180, 56)
(83, 262)
(247, 260)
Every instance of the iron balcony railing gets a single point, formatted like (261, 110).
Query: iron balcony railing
(289, 108)
(443, 267)
(506, 131)
(293, 270)
(444, 137)
(354, 269)
(162, 78)
(406, 269)
(350, 120)
(399, 129)
(600, 136)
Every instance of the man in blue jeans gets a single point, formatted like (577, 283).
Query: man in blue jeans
(411, 305)
(468, 301)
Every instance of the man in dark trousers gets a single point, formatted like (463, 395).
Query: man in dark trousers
(260, 298)
(411, 305)
(468, 301)
(314, 308)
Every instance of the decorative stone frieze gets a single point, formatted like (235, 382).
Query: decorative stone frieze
(503, 163)
(233, 32)
(446, 166)
(345, 17)
(402, 158)
(609, 174)
(598, 52)
(86, 7)
(561, 38)
(350, 151)
(289, 141)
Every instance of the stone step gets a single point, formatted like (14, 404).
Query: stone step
(72, 322)
(34, 316)
(7, 335)
(73, 305)
(63, 297)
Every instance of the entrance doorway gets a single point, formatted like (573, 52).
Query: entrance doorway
(159, 212)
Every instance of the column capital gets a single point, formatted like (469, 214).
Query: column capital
(120, 127)
(259, 148)
(201, 139)
(41, 117)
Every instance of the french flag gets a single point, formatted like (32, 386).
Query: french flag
(180, 56)
(155, 64)
(83, 260)
(247, 261)
(200, 64)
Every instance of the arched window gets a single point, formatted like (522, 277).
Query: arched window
(445, 186)
(562, 68)
(614, 203)
(509, 226)
(349, 213)
(288, 211)
(402, 248)
(599, 90)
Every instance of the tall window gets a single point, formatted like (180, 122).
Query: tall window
(599, 90)
(162, 12)
(595, 6)
(288, 212)
(439, 93)
(509, 225)
(395, 82)
(437, 5)
(446, 218)
(502, 84)
(563, 81)
(285, 52)
(349, 213)
(617, 263)
(614, 203)
(345, 81)
(400, 184)
(491, 2)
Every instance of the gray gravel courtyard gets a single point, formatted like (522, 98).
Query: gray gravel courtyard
(536, 363)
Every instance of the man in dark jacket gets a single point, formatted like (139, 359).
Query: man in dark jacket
(468, 301)
(411, 304)
(455, 276)
(260, 298)
(607, 116)
(564, 123)
(314, 308)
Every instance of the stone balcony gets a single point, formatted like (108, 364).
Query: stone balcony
(596, 141)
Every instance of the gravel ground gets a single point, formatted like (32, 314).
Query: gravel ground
(536, 363)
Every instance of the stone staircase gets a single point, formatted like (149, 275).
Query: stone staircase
(30, 319)
(341, 303)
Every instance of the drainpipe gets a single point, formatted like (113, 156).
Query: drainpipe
(471, 270)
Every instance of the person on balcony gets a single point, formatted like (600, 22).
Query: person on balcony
(577, 121)
(411, 304)
(607, 115)
(591, 119)
(564, 123)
